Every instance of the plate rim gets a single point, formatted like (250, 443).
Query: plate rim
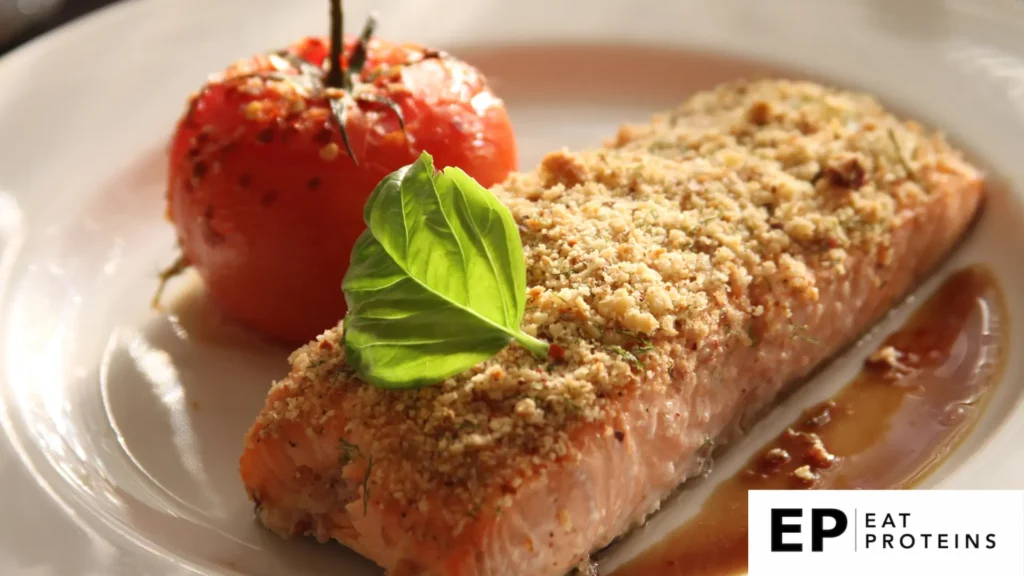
(107, 16)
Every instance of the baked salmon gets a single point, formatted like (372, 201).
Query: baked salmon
(691, 270)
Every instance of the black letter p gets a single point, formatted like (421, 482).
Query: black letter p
(818, 532)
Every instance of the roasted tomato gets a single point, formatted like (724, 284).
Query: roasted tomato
(266, 191)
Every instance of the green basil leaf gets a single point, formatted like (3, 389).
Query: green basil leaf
(437, 282)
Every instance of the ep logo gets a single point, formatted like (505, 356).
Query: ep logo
(866, 532)
(788, 523)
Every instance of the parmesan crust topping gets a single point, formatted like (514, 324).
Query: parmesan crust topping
(674, 237)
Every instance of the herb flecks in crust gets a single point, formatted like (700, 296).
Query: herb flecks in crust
(643, 258)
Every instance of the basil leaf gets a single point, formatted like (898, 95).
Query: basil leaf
(437, 282)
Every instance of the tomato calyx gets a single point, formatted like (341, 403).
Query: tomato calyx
(343, 87)
(340, 85)
(347, 80)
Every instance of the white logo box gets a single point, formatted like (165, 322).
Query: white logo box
(927, 532)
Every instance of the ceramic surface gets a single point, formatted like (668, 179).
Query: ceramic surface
(122, 427)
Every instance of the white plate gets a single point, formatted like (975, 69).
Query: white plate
(123, 428)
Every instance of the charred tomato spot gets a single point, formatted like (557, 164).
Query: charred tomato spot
(210, 234)
(265, 136)
(268, 198)
(229, 148)
(324, 136)
(288, 132)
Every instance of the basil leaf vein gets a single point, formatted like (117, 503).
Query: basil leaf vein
(437, 282)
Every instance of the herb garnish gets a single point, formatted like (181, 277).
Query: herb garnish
(800, 331)
(349, 452)
(366, 485)
(437, 282)
(641, 345)
(644, 349)
(902, 158)
(625, 355)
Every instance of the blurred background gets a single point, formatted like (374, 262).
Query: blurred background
(22, 20)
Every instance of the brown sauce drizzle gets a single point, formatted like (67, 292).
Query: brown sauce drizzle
(916, 398)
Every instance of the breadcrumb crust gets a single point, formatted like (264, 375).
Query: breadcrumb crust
(673, 238)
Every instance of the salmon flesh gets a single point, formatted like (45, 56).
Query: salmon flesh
(692, 269)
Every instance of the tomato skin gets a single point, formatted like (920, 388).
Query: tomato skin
(265, 200)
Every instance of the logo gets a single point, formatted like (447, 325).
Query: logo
(859, 532)
(818, 531)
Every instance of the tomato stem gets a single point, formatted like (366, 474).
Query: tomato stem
(180, 265)
(336, 70)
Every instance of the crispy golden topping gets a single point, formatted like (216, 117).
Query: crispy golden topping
(675, 237)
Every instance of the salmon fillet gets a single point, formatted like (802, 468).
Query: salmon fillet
(691, 270)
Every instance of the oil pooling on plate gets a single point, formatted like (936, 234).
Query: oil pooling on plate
(916, 399)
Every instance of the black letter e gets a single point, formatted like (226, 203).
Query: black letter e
(779, 528)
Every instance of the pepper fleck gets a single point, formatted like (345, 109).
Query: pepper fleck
(324, 137)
